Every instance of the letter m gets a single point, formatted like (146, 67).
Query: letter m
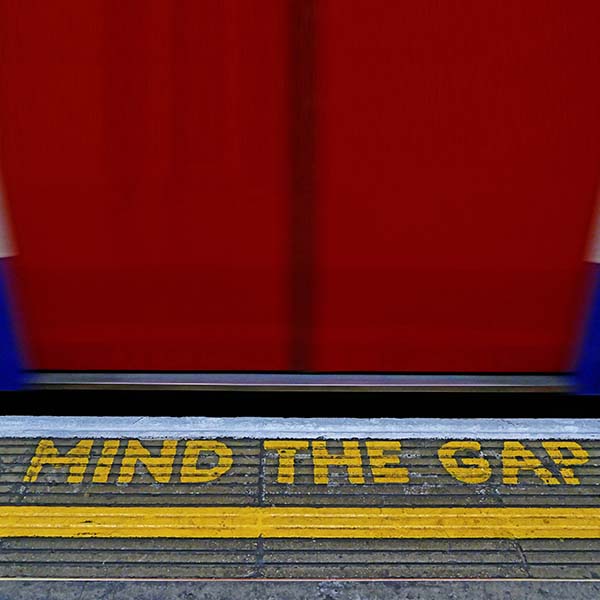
(46, 453)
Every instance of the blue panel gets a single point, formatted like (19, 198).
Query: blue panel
(11, 375)
(587, 376)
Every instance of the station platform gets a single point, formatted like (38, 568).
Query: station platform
(274, 500)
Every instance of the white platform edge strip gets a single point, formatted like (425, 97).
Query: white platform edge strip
(296, 428)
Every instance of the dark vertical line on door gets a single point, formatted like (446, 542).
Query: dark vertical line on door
(302, 157)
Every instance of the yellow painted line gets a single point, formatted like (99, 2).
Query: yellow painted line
(297, 522)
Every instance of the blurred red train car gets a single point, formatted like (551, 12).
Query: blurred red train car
(302, 185)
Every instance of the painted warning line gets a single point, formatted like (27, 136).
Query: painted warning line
(192, 504)
(204, 461)
(358, 464)
(298, 522)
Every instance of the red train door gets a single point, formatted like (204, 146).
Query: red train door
(458, 165)
(327, 186)
(144, 147)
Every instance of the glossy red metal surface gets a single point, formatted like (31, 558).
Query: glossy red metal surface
(458, 164)
(328, 186)
(145, 153)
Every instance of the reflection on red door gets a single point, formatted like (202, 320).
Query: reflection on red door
(147, 155)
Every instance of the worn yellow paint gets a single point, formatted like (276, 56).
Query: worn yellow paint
(380, 459)
(349, 458)
(515, 458)
(286, 450)
(106, 460)
(190, 473)
(471, 469)
(579, 456)
(160, 467)
(298, 522)
(46, 453)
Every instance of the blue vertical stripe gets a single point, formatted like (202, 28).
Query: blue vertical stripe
(11, 375)
(587, 374)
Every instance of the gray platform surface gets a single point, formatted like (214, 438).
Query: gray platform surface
(301, 590)
(252, 481)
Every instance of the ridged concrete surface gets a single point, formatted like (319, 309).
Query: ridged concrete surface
(253, 479)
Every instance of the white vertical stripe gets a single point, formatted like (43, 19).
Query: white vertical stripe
(6, 242)
(593, 249)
